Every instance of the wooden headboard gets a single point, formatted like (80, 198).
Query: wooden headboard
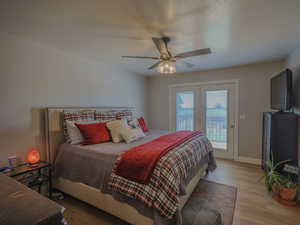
(54, 126)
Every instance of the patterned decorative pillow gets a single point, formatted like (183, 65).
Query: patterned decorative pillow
(115, 127)
(83, 115)
(125, 114)
(132, 134)
(104, 116)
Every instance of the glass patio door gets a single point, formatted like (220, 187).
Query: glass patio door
(218, 115)
(210, 108)
(185, 110)
(216, 118)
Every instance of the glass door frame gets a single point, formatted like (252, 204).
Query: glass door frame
(173, 112)
(198, 88)
(231, 117)
(204, 99)
(194, 109)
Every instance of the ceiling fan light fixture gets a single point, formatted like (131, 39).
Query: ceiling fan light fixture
(166, 61)
(166, 67)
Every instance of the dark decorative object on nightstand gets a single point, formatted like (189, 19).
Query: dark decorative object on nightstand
(33, 177)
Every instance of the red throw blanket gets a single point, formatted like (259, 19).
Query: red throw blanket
(138, 163)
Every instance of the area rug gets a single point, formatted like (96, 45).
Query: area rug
(222, 196)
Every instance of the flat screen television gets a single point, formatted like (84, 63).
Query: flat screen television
(281, 91)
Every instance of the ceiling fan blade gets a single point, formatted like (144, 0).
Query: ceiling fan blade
(203, 51)
(162, 47)
(139, 57)
(190, 65)
(154, 65)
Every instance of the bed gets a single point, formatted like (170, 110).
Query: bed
(89, 183)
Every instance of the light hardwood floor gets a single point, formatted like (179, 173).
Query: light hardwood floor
(254, 206)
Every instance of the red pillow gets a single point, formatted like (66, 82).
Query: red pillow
(94, 133)
(143, 124)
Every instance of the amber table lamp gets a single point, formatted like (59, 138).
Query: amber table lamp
(33, 157)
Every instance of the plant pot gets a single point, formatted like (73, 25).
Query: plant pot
(287, 194)
(284, 202)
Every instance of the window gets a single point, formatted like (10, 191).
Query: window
(216, 118)
(185, 110)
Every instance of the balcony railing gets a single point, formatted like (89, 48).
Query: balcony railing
(216, 128)
(185, 122)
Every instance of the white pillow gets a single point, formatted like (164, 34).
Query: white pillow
(132, 134)
(74, 133)
(115, 128)
(134, 123)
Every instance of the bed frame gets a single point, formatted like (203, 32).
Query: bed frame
(88, 194)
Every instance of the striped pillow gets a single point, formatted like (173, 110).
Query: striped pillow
(105, 116)
(125, 114)
(84, 115)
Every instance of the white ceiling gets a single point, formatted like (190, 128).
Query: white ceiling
(237, 31)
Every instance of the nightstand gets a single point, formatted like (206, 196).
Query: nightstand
(33, 176)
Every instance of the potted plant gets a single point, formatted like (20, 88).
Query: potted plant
(283, 187)
(273, 179)
(288, 189)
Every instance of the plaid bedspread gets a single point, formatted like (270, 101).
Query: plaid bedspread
(163, 190)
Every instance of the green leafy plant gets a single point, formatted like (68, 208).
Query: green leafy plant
(287, 190)
(273, 179)
(288, 183)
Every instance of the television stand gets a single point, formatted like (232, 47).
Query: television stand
(280, 137)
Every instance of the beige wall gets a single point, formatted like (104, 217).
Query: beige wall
(254, 99)
(35, 76)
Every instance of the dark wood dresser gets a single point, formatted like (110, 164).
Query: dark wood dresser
(19, 205)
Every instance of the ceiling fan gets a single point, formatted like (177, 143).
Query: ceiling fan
(166, 63)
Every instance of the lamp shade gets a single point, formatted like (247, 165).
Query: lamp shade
(33, 156)
(166, 67)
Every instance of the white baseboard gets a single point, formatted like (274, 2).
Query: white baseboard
(249, 160)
